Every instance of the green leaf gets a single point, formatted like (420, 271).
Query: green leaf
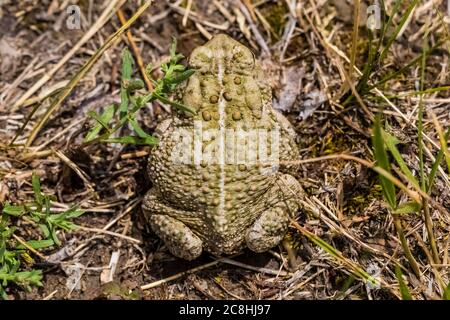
(133, 140)
(13, 210)
(140, 132)
(127, 64)
(177, 105)
(391, 143)
(32, 277)
(127, 70)
(39, 198)
(148, 70)
(404, 291)
(45, 230)
(72, 213)
(134, 85)
(408, 207)
(61, 220)
(381, 157)
(181, 77)
(102, 122)
(55, 237)
(174, 56)
(37, 244)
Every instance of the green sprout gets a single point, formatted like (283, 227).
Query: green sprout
(131, 100)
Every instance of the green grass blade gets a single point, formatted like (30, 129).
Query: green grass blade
(392, 38)
(127, 70)
(37, 244)
(137, 128)
(409, 65)
(12, 210)
(381, 157)
(134, 140)
(407, 208)
(444, 146)
(404, 291)
(36, 184)
(175, 104)
(420, 124)
(436, 164)
(102, 122)
(391, 143)
(446, 295)
(354, 268)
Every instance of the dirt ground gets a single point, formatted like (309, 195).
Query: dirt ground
(305, 47)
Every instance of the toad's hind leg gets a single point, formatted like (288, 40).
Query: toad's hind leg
(179, 239)
(270, 228)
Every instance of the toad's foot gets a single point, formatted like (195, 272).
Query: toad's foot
(179, 239)
(270, 228)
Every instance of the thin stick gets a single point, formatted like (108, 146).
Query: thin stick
(110, 233)
(186, 13)
(26, 245)
(179, 275)
(50, 295)
(366, 163)
(249, 267)
(83, 176)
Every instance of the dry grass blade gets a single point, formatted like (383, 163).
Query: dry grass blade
(75, 168)
(110, 233)
(105, 16)
(257, 269)
(181, 274)
(88, 65)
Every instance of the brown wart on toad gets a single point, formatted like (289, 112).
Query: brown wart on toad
(217, 183)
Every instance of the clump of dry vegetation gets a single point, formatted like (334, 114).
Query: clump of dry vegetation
(370, 106)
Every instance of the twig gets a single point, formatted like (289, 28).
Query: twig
(262, 270)
(83, 176)
(110, 233)
(26, 245)
(179, 275)
(50, 295)
(187, 12)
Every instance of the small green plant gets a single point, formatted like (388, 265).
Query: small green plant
(133, 99)
(12, 253)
